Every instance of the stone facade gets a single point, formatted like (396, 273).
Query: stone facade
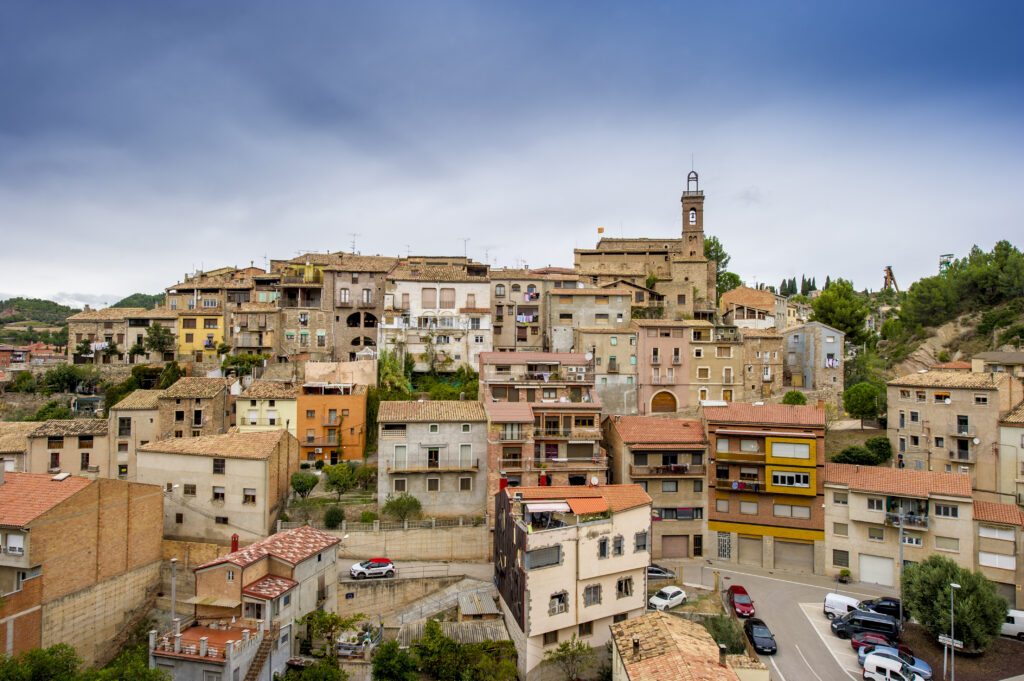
(194, 407)
(115, 328)
(254, 329)
(615, 379)
(78, 447)
(571, 309)
(762, 363)
(132, 422)
(814, 359)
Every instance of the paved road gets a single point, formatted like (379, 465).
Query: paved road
(419, 568)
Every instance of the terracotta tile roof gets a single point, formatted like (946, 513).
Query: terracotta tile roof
(675, 323)
(950, 379)
(14, 435)
(270, 587)
(109, 314)
(432, 411)
(588, 505)
(590, 292)
(898, 481)
(140, 399)
(70, 427)
(993, 512)
(195, 386)
(364, 263)
(225, 281)
(291, 546)
(315, 259)
(671, 649)
(619, 497)
(234, 445)
(952, 366)
(157, 313)
(768, 414)
(1015, 416)
(576, 358)
(26, 496)
(761, 333)
(996, 357)
(509, 412)
(748, 297)
(273, 390)
(407, 272)
(651, 429)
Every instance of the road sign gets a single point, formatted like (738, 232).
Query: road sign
(945, 640)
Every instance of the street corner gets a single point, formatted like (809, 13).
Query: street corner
(839, 648)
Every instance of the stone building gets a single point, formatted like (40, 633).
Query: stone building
(754, 308)
(614, 356)
(14, 444)
(307, 309)
(518, 307)
(358, 283)
(195, 406)
(132, 422)
(765, 485)
(112, 332)
(571, 309)
(999, 547)
(437, 452)
(676, 266)
(1011, 444)
(80, 561)
(254, 329)
(75, 446)
(762, 366)
(814, 359)
(999, 362)
(667, 457)
(948, 421)
(203, 303)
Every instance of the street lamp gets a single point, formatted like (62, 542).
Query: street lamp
(952, 640)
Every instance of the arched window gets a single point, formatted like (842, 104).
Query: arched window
(531, 289)
(693, 216)
(499, 290)
(515, 288)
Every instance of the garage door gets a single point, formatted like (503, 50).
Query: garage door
(1007, 591)
(750, 551)
(876, 570)
(794, 556)
(675, 546)
(663, 402)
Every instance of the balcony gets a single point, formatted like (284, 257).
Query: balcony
(511, 463)
(343, 303)
(562, 463)
(513, 437)
(320, 442)
(366, 304)
(962, 457)
(584, 433)
(677, 360)
(962, 430)
(755, 486)
(422, 465)
(682, 469)
(740, 457)
(656, 360)
(613, 368)
(248, 421)
(331, 420)
(910, 520)
(14, 557)
(310, 279)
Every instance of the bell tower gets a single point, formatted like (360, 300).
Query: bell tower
(693, 218)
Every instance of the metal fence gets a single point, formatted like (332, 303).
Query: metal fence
(392, 525)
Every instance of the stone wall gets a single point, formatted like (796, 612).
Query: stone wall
(372, 596)
(450, 543)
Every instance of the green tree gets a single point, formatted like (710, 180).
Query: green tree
(158, 340)
(130, 665)
(979, 611)
(391, 663)
(141, 300)
(52, 410)
(402, 507)
(334, 516)
(727, 281)
(714, 250)
(861, 401)
(391, 376)
(880, 447)
(242, 364)
(339, 479)
(842, 308)
(223, 348)
(24, 382)
(438, 655)
(326, 627)
(573, 657)
(856, 455)
(794, 397)
(136, 350)
(303, 482)
(84, 347)
(171, 373)
(322, 670)
(56, 663)
(366, 477)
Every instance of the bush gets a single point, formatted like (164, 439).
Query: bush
(284, 517)
(303, 483)
(402, 507)
(726, 632)
(367, 517)
(855, 455)
(304, 466)
(334, 517)
(319, 465)
(862, 401)
(794, 397)
(881, 447)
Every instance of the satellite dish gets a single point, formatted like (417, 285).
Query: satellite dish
(947, 400)
(589, 356)
(977, 441)
(593, 480)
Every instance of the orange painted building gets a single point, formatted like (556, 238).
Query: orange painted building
(332, 422)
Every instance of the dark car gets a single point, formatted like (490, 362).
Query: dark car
(740, 601)
(885, 605)
(859, 621)
(658, 572)
(760, 636)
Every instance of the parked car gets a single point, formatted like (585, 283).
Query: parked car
(880, 668)
(866, 639)
(760, 636)
(837, 605)
(885, 605)
(740, 601)
(917, 664)
(1014, 624)
(375, 567)
(657, 572)
(669, 597)
(866, 621)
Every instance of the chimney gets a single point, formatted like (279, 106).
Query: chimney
(636, 646)
(2, 466)
(721, 654)
(202, 646)
(234, 542)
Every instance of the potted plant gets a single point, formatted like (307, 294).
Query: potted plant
(844, 575)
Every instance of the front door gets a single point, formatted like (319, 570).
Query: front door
(433, 457)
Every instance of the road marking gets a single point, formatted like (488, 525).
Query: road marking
(806, 662)
(785, 581)
(814, 607)
(777, 670)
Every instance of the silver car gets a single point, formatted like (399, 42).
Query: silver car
(375, 567)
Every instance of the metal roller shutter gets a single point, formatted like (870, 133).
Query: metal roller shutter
(876, 569)
(750, 551)
(675, 546)
(794, 556)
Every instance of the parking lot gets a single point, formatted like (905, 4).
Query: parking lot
(840, 648)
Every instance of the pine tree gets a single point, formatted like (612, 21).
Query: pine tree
(792, 286)
(828, 282)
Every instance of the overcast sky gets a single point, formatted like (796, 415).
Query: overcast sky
(142, 140)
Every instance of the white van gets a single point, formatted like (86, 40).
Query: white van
(1014, 624)
(837, 605)
(878, 668)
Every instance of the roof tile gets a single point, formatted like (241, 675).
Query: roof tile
(269, 587)
(431, 411)
(195, 386)
(898, 481)
(274, 390)
(671, 649)
(26, 496)
(769, 414)
(994, 512)
(651, 429)
(950, 379)
(70, 427)
(233, 445)
(619, 497)
(140, 399)
(14, 435)
(291, 546)
(509, 412)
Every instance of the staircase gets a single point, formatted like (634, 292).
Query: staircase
(263, 652)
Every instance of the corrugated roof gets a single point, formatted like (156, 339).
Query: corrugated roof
(950, 379)
(14, 435)
(26, 496)
(619, 497)
(70, 427)
(509, 412)
(140, 399)
(473, 631)
(993, 512)
(234, 445)
(195, 386)
(478, 604)
(768, 414)
(671, 649)
(291, 546)
(898, 481)
(431, 411)
(272, 390)
(650, 429)
(576, 358)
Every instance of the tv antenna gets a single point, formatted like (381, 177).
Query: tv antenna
(354, 235)
(465, 247)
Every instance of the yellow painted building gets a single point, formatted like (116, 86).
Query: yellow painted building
(268, 405)
(199, 334)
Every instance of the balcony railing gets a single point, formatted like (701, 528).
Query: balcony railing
(755, 486)
(745, 457)
(587, 433)
(320, 442)
(677, 360)
(511, 463)
(962, 457)
(655, 359)
(366, 304)
(247, 421)
(909, 520)
(613, 368)
(343, 303)
(682, 469)
(331, 420)
(571, 462)
(513, 437)
(428, 466)
(959, 430)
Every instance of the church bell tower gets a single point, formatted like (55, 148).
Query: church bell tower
(693, 218)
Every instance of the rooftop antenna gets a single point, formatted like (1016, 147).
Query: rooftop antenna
(407, 250)
(354, 235)
(691, 160)
(465, 247)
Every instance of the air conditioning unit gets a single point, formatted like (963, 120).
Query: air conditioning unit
(318, 450)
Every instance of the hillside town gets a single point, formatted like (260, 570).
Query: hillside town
(532, 456)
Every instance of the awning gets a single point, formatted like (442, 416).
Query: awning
(213, 602)
(548, 507)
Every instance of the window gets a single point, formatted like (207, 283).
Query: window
(434, 428)
(840, 498)
(981, 399)
(912, 539)
(565, 316)
(669, 486)
(538, 558)
(122, 471)
(915, 417)
(947, 544)
(209, 323)
(840, 558)
(698, 485)
(620, 617)
(221, 520)
(940, 442)
(995, 532)
(624, 587)
(876, 534)
(841, 529)
(876, 504)
(790, 479)
(602, 547)
(465, 484)
(592, 595)
(617, 545)
(218, 493)
(947, 511)
(466, 427)
(218, 466)
(399, 485)
(188, 323)
(640, 542)
(433, 484)
(997, 560)
(722, 444)
(704, 372)
(791, 450)
(179, 518)
(189, 490)
(586, 628)
(722, 505)
(748, 507)
(904, 394)
(124, 427)
(559, 603)
(249, 495)
(230, 575)
(550, 637)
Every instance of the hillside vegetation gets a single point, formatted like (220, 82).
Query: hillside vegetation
(141, 300)
(35, 310)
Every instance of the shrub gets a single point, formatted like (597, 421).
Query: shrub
(319, 465)
(726, 632)
(402, 507)
(881, 447)
(367, 517)
(794, 397)
(303, 483)
(284, 517)
(304, 466)
(855, 455)
(333, 517)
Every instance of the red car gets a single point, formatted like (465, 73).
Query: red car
(867, 638)
(740, 601)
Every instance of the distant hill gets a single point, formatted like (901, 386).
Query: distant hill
(36, 309)
(141, 300)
